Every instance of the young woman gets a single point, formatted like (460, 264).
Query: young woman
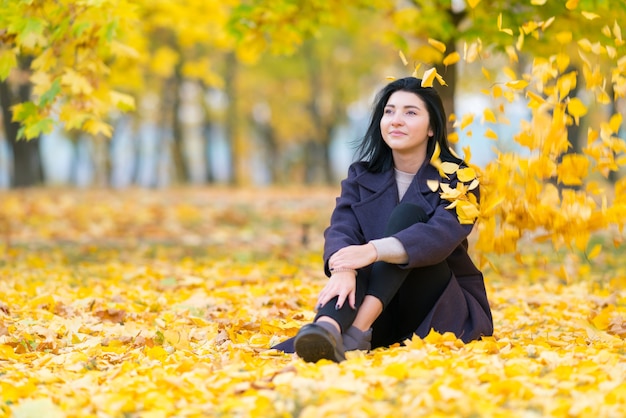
(395, 253)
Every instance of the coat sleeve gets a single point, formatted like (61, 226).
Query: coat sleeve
(433, 241)
(344, 227)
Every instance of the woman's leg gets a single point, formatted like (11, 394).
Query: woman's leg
(411, 304)
(375, 291)
(397, 300)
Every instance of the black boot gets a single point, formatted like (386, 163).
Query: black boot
(355, 339)
(319, 340)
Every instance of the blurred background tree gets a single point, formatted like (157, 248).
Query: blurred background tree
(261, 92)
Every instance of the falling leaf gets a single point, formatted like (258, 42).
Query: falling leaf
(403, 58)
(517, 84)
(571, 4)
(438, 45)
(452, 58)
(489, 116)
(433, 185)
(505, 30)
(589, 15)
(466, 174)
(491, 134)
(577, 109)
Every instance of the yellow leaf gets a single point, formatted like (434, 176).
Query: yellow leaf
(576, 108)
(97, 127)
(571, 4)
(164, 61)
(490, 133)
(396, 370)
(486, 73)
(564, 37)
(573, 169)
(433, 185)
(467, 120)
(520, 41)
(467, 212)
(517, 84)
(509, 73)
(416, 69)
(449, 167)
(615, 123)
(453, 137)
(403, 58)
(7, 352)
(124, 102)
(545, 25)
(617, 32)
(535, 99)
(76, 82)
(585, 45)
(440, 79)
(562, 61)
(452, 58)
(611, 52)
(429, 77)
(589, 15)
(466, 174)
(156, 353)
(505, 30)
(438, 45)
(512, 54)
(595, 251)
(467, 154)
(471, 51)
(603, 319)
(489, 116)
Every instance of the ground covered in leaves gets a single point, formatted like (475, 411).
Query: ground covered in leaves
(165, 303)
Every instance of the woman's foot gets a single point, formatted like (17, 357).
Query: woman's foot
(319, 340)
(355, 339)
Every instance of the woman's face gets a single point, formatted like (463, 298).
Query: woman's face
(405, 125)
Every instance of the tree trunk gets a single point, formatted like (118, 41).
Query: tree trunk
(102, 160)
(181, 170)
(317, 158)
(27, 169)
(231, 120)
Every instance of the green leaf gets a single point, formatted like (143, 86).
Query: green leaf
(24, 111)
(42, 126)
(8, 61)
(49, 96)
(31, 34)
(79, 28)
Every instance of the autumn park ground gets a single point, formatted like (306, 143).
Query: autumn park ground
(158, 303)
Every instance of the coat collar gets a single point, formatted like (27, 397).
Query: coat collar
(378, 182)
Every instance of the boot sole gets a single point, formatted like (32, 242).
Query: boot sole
(314, 343)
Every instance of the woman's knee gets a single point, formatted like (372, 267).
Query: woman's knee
(405, 215)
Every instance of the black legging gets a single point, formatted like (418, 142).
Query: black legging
(407, 295)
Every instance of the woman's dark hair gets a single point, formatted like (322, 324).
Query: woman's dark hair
(373, 148)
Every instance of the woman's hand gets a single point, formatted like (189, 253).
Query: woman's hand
(341, 284)
(353, 257)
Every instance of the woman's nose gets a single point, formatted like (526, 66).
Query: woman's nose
(397, 119)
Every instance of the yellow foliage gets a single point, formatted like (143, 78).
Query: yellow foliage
(162, 330)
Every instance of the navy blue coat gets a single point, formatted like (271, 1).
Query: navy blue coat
(361, 213)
